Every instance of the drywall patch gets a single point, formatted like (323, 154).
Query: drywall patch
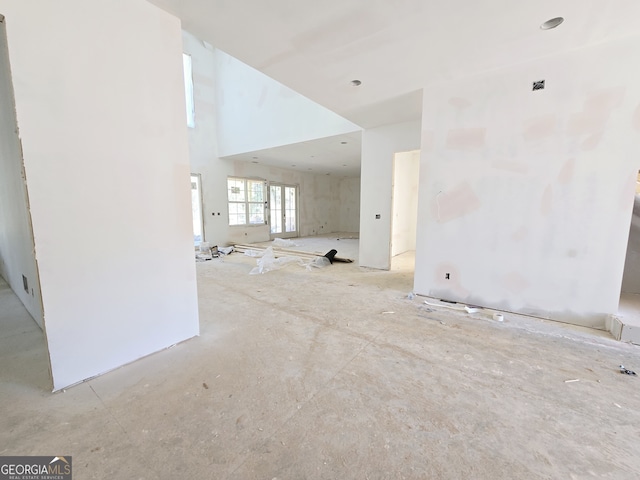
(539, 128)
(520, 234)
(515, 282)
(603, 101)
(459, 102)
(584, 123)
(566, 172)
(592, 141)
(456, 203)
(546, 202)
(466, 138)
(510, 166)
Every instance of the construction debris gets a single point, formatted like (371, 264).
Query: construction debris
(626, 371)
(268, 262)
(258, 250)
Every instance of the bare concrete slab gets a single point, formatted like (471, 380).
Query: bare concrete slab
(335, 373)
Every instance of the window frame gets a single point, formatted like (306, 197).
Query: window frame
(246, 202)
(189, 95)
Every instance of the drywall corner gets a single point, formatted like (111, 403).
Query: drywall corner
(379, 145)
(614, 325)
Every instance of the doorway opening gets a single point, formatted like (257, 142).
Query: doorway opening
(196, 209)
(283, 210)
(626, 325)
(404, 209)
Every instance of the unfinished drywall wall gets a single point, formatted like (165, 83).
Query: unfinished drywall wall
(379, 145)
(102, 120)
(256, 112)
(406, 168)
(203, 140)
(526, 196)
(17, 256)
(349, 204)
(631, 276)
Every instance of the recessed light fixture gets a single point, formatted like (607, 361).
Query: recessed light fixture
(253, 161)
(343, 143)
(356, 83)
(553, 23)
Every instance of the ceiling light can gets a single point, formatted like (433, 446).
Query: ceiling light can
(552, 23)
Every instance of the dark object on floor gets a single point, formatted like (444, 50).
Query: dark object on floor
(331, 254)
(627, 372)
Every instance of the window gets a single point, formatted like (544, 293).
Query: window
(246, 201)
(188, 90)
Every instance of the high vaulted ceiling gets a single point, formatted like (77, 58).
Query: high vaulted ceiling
(395, 47)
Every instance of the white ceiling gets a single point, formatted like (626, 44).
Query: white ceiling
(338, 155)
(395, 47)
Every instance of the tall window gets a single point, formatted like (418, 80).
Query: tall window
(188, 90)
(246, 201)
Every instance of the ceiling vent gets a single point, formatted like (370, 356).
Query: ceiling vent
(538, 85)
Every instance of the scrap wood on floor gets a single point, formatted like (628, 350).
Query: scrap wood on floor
(284, 252)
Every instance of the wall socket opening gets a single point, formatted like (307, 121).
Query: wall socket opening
(538, 85)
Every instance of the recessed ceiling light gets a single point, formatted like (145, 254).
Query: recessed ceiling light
(343, 143)
(553, 23)
(254, 161)
(356, 83)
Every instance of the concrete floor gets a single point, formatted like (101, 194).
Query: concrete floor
(333, 374)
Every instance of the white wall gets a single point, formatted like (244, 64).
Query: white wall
(17, 256)
(203, 141)
(100, 103)
(406, 168)
(349, 204)
(256, 112)
(525, 197)
(379, 145)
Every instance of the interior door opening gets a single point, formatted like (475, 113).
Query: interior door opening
(283, 210)
(196, 209)
(404, 218)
